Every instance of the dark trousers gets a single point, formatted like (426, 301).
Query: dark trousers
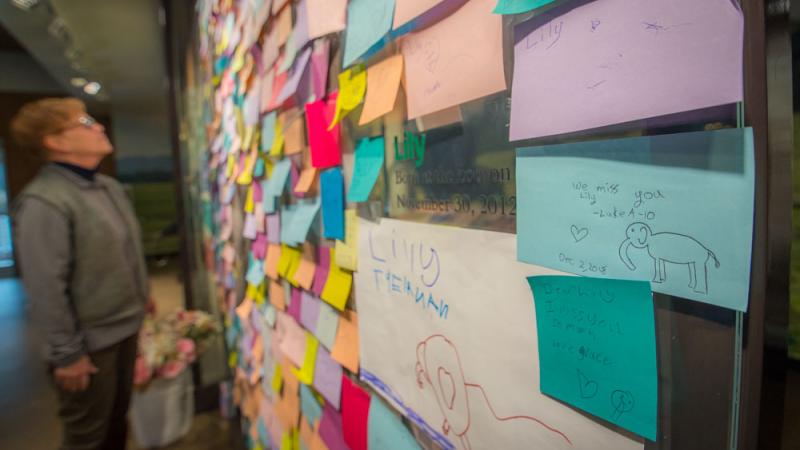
(96, 419)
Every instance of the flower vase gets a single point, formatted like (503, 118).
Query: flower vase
(162, 412)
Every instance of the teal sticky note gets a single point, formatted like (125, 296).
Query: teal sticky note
(368, 165)
(255, 270)
(675, 210)
(368, 21)
(258, 171)
(286, 217)
(295, 232)
(277, 179)
(309, 405)
(518, 6)
(597, 347)
(385, 430)
(331, 185)
(268, 131)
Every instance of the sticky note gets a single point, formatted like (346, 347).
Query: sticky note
(287, 255)
(368, 166)
(331, 184)
(277, 379)
(305, 181)
(255, 271)
(295, 232)
(383, 82)
(347, 251)
(244, 309)
(352, 87)
(627, 65)
(518, 6)
(321, 273)
(355, 411)
(272, 261)
(345, 350)
(294, 305)
(323, 143)
(278, 81)
(327, 325)
(471, 30)
(325, 17)
(618, 208)
(294, 134)
(249, 230)
(337, 286)
(309, 311)
(367, 22)
(293, 80)
(320, 60)
(273, 227)
(259, 247)
(309, 404)
(597, 347)
(276, 295)
(293, 345)
(246, 175)
(304, 275)
(306, 372)
(386, 430)
(277, 142)
(278, 177)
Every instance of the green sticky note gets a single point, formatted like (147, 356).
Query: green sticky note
(385, 430)
(597, 348)
(309, 405)
(368, 165)
(518, 6)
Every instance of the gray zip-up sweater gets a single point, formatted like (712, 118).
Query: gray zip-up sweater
(80, 255)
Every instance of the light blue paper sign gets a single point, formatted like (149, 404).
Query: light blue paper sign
(676, 210)
(268, 131)
(368, 165)
(277, 179)
(367, 22)
(597, 348)
(385, 430)
(301, 219)
(309, 405)
(332, 188)
(518, 6)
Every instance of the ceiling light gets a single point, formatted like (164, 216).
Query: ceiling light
(78, 82)
(25, 4)
(92, 88)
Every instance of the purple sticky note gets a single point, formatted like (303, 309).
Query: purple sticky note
(295, 307)
(321, 274)
(309, 311)
(260, 246)
(250, 225)
(274, 228)
(330, 429)
(328, 377)
(319, 67)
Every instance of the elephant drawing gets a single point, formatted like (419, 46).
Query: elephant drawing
(672, 248)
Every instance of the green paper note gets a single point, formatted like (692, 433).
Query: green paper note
(385, 430)
(368, 165)
(518, 6)
(597, 347)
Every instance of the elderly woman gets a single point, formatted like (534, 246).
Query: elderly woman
(80, 255)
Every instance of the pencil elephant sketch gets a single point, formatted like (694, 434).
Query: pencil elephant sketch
(462, 403)
(669, 248)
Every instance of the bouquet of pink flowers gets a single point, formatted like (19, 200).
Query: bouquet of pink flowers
(168, 345)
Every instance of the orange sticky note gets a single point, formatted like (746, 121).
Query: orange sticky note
(304, 275)
(276, 295)
(305, 180)
(288, 409)
(337, 286)
(345, 348)
(244, 309)
(306, 433)
(294, 133)
(271, 262)
(383, 81)
(291, 382)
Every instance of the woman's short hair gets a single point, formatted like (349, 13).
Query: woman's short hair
(38, 119)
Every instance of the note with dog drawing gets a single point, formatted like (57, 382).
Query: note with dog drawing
(675, 210)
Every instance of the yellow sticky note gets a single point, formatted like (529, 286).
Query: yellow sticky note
(238, 60)
(306, 373)
(352, 87)
(347, 251)
(294, 264)
(246, 176)
(288, 255)
(305, 180)
(233, 359)
(337, 286)
(383, 82)
(277, 141)
(230, 166)
(272, 260)
(249, 204)
(247, 141)
(277, 379)
(345, 347)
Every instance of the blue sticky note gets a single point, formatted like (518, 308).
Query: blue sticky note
(597, 347)
(268, 131)
(518, 6)
(278, 177)
(269, 201)
(255, 271)
(367, 23)
(301, 219)
(385, 430)
(287, 216)
(258, 171)
(263, 435)
(309, 405)
(368, 165)
(676, 210)
(332, 188)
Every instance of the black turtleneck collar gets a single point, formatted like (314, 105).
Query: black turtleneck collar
(86, 174)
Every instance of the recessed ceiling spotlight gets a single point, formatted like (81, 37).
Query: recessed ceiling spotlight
(78, 82)
(92, 88)
(25, 4)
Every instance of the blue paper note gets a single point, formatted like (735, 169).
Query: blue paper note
(294, 232)
(367, 23)
(287, 215)
(268, 131)
(597, 347)
(258, 171)
(332, 188)
(676, 210)
(368, 165)
(385, 430)
(255, 271)
(277, 179)
(518, 6)
(309, 405)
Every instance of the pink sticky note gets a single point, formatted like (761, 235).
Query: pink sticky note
(293, 344)
(355, 411)
(330, 429)
(260, 246)
(295, 307)
(321, 274)
(319, 67)
(328, 377)
(324, 144)
(326, 16)
(274, 228)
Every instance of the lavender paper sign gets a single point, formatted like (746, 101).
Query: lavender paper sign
(591, 64)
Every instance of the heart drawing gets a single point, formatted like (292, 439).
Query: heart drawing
(588, 388)
(579, 234)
